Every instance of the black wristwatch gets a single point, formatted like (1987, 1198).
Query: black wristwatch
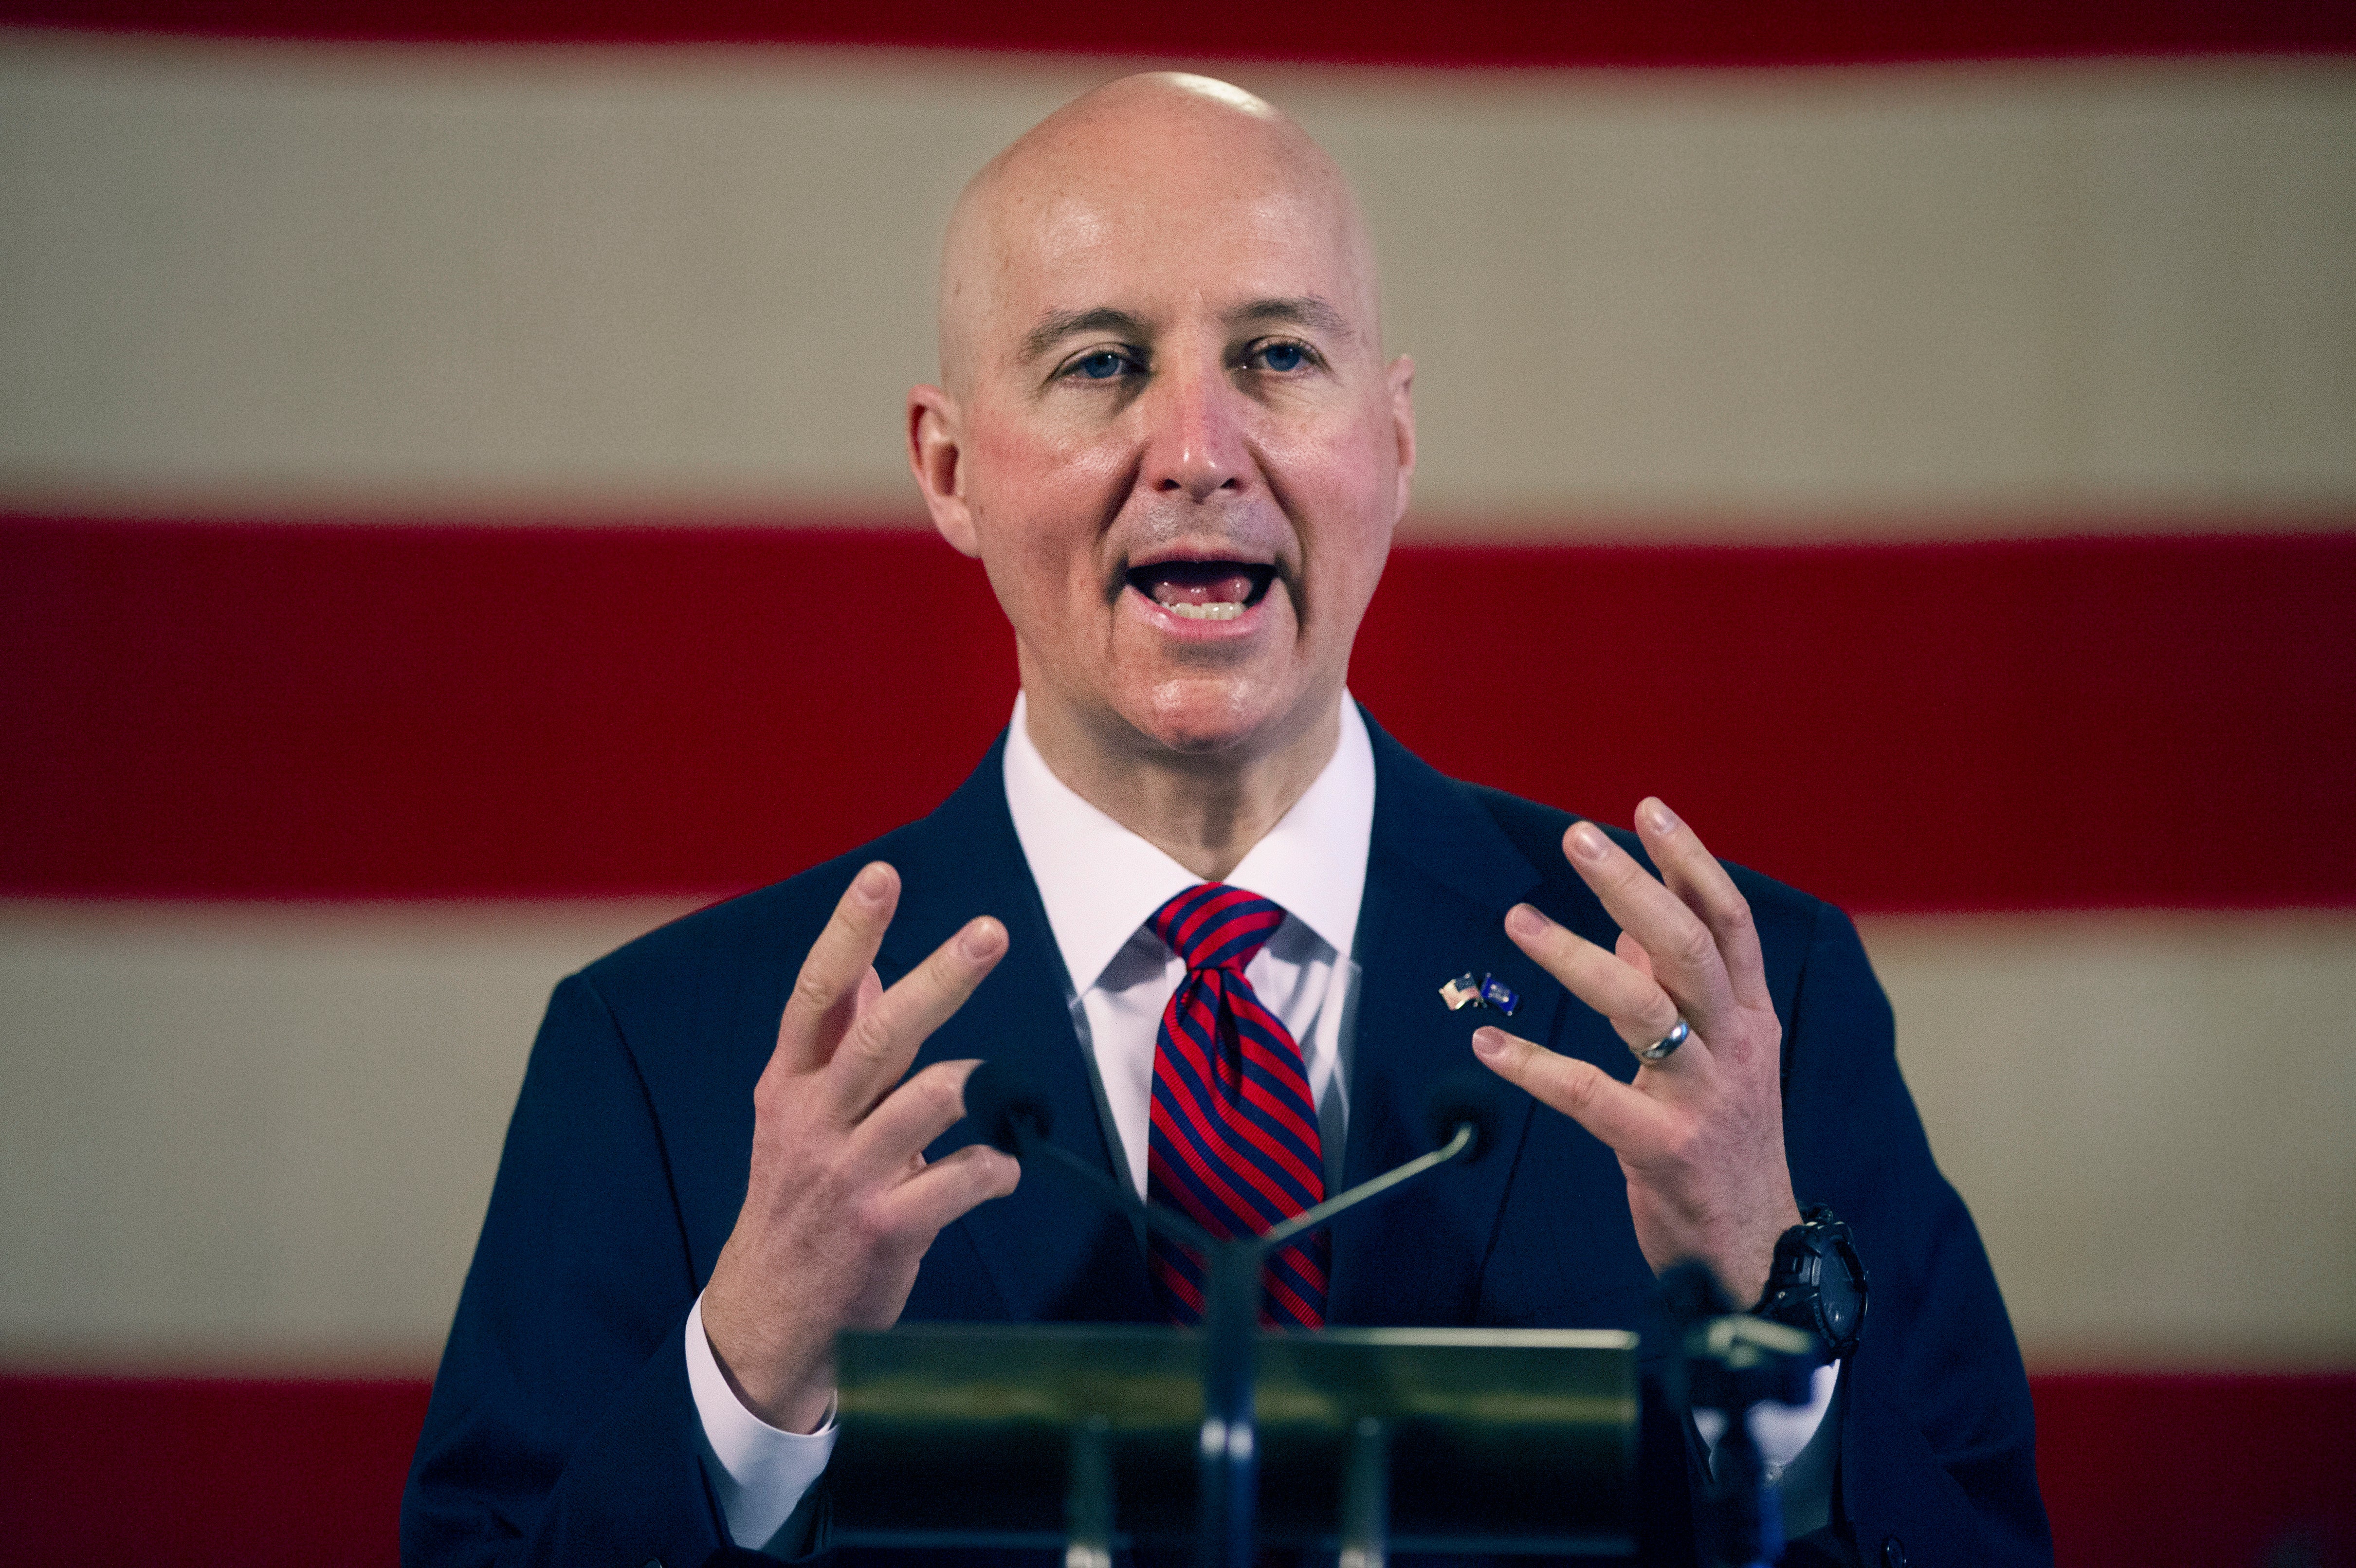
(1817, 1281)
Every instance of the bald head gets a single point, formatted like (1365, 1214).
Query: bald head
(1162, 155)
(1167, 430)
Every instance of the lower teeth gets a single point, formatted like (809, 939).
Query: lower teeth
(1228, 610)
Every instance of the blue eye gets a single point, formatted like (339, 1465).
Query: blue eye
(1282, 358)
(1100, 365)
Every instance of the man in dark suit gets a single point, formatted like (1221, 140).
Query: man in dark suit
(1207, 905)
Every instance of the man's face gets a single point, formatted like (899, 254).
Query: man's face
(1176, 448)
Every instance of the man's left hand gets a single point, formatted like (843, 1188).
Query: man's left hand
(1699, 1133)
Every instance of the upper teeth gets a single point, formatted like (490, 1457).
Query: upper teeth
(1223, 610)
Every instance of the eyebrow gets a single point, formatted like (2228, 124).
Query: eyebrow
(1300, 310)
(1058, 324)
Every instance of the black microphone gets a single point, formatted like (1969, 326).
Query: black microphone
(1003, 1106)
(1469, 1097)
(1012, 1113)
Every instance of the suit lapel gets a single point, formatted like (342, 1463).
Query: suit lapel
(1051, 1249)
(1440, 876)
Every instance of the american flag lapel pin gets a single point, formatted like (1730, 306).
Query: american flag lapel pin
(1461, 992)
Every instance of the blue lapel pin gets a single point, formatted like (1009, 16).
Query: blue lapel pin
(1499, 994)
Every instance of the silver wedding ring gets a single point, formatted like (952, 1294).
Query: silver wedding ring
(1661, 1049)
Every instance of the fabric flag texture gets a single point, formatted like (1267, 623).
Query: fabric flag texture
(453, 518)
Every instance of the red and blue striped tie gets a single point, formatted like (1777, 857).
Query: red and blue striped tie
(1234, 1142)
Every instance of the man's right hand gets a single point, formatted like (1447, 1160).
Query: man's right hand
(841, 1204)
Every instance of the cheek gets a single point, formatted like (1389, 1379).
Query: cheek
(1031, 477)
(1349, 455)
(1036, 503)
(1351, 487)
(1020, 449)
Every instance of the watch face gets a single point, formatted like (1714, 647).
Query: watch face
(1841, 1292)
(1818, 1282)
(1836, 1299)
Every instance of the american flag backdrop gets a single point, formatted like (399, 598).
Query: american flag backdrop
(452, 518)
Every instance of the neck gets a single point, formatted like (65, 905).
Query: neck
(1204, 810)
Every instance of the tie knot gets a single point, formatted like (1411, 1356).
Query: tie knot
(1213, 925)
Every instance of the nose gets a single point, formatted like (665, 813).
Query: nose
(1195, 434)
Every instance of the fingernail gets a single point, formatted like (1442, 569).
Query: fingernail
(1525, 922)
(984, 939)
(1488, 1043)
(1587, 842)
(871, 882)
(1660, 818)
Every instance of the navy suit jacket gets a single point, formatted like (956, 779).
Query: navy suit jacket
(562, 1429)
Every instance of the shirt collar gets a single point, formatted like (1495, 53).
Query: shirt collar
(1100, 882)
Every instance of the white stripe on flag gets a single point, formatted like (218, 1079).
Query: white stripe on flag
(349, 282)
(238, 1137)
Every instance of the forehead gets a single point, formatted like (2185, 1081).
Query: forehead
(1161, 237)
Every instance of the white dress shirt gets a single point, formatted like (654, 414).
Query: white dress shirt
(1100, 884)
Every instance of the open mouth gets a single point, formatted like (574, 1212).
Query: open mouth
(1203, 590)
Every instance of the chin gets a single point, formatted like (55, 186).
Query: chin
(1215, 718)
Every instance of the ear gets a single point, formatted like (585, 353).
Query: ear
(1402, 383)
(936, 456)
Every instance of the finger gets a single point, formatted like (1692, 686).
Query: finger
(1634, 1123)
(826, 993)
(1683, 950)
(945, 1189)
(1638, 1009)
(883, 1038)
(907, 1120)
(1698, 879)
(1631, 951)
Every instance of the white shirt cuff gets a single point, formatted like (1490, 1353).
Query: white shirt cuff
(759, 1472)
(1781, 1431)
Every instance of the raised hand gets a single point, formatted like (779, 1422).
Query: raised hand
(1701, 1132)
(840, 1205)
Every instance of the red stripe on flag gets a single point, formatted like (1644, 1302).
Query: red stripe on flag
(1391, 32)
(359, 712)
(2208, 1469)
(222, 711)
(2046, 723)
(261, 1474)
(2136, 1467)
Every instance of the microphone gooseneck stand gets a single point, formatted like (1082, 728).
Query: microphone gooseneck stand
(1229, 1466)
(1018, 1120)
(1730, 1362)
